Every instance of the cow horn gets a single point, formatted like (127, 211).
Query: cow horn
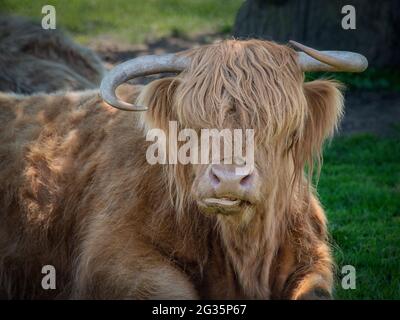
(138, 67)
(335, 61)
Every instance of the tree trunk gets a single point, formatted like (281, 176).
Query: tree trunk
(318, 24)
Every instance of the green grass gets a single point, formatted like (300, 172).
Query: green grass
(132, 20)
(360, 188)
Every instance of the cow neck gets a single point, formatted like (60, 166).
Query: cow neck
(251, 248)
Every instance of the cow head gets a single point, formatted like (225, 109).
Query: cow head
(233, 84)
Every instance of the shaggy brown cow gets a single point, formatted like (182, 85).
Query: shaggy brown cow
(78, 193)
(36, 60)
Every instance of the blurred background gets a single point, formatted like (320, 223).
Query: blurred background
(359, 184)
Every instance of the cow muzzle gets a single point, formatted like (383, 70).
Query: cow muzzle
(227, 190)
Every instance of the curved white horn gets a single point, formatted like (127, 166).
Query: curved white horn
(335, 61)
(138, 67)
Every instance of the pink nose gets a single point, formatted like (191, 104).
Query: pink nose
(226, 180)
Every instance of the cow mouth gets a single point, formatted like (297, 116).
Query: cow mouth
(224, 205)
(222, 202)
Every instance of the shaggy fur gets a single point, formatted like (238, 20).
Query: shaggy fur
(78, 193)
(36, 60)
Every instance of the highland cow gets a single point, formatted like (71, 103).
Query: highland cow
(77, 191)
(36, 60)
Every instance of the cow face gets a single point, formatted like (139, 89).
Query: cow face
(245, 85)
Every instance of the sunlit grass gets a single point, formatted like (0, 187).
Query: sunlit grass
(132, 20)
(360, 189)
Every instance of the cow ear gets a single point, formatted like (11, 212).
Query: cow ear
(325, 109)
(158, 97)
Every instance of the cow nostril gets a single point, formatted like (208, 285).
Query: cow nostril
(214, 178)
(246, 181)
